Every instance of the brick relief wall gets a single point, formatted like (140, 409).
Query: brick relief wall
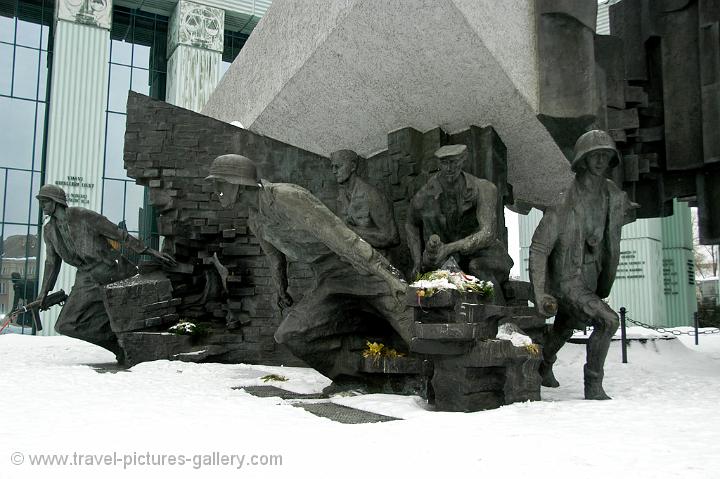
(170, 149)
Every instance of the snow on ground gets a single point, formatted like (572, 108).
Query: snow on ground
(663, 420)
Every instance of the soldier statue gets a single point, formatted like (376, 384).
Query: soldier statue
(458, 211)
(574, 256)
(90, 242)
(351, 277)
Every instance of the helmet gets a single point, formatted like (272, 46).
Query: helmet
(235, 169)
(594, 140)
(52, 192)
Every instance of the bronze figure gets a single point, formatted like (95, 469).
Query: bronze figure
(362, 207)
(90, 242)
(458, 212)
(574, 257)
(351, 278)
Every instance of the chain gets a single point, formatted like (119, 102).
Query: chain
(676, 332)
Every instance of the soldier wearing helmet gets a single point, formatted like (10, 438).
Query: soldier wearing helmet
(351, 277)
(90, 242)
(574, 256)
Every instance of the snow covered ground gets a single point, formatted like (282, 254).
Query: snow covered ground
(663, 421)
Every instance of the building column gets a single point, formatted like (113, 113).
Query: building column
(195, 46)
(639, 280)
(679, 266)
(76, 124)
(526, 227)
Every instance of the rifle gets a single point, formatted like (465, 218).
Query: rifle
(52, 299)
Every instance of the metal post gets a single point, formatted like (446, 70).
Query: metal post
(623, 334)
(697, 327)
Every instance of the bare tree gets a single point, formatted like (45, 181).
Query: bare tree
(706, 256)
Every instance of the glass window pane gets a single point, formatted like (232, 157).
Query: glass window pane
(45, 37)
(18, 275)
(7, 29)
(39, 135)
(34, 203)
(121, 52)
(113, 197)
(140, 81)
(42, 79)
(141, 56)
(18, 197)
(3, 172)
(28, 34)
(133, 203)
(6, 62)
(157, 86)
(16, 132)
(26, 73)
(19, 241)
(119, 86)
(114, 145)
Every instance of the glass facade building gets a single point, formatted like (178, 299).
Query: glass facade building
(45, 118)
(138, 45)
(25, 62)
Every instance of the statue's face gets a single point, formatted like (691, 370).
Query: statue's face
(47, 206)
(451, 166)
(598, 161)
(226, 192)
(342, 168)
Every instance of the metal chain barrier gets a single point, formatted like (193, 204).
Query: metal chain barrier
(676, 332)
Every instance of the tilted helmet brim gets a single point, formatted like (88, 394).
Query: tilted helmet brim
(614, 160)
(235, 180)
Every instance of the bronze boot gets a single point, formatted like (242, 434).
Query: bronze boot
(593, 385)
(548, 378)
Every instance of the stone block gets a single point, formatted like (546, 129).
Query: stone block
(491, 374)
(125, 300)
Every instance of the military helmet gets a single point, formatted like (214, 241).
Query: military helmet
(594, 140)
(235, 169)
(52, 192)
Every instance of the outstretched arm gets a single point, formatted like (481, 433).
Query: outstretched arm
(111, 231)
(278, 272)
(543, 242)
(53, 262)
(414, 240)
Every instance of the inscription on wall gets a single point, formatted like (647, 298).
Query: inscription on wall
(630, 266)
(71, 185)
(670, 277)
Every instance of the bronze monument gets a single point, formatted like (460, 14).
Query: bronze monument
(90, 242)
(574, 256)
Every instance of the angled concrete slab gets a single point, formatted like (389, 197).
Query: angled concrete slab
(324, 75)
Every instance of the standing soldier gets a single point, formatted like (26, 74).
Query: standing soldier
(90, 242)
(574, 256)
